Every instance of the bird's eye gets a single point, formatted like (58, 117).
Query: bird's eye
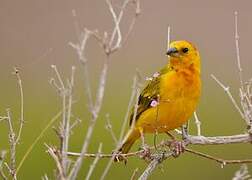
(185, 50)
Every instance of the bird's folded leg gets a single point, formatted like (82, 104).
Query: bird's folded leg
(146, 152)
(185, 131)
(170, 135)
(141, 131)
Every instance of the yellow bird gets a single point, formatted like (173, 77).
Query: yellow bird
(170, 97)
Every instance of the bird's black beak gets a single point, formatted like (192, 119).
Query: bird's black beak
(171, 51)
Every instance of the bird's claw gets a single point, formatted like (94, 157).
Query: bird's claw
(146, 152)
(177, 147)
(118, 156)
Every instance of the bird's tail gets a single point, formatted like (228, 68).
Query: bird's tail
(128, 141)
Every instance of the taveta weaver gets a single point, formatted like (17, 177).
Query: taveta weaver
(170, 97)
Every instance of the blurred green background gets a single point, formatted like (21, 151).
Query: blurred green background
(35, 34)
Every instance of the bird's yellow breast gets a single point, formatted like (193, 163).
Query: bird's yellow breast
(179, 96)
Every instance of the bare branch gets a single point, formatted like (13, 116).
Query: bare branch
(21, 104)
(12, 143)
(134, 97)
(109, 49)
(238, 50)
(45, 177)
(242, 173)
(137, 13)
(2, 118)
(65, 122)
(57, 161)
(191, 140)
(227, 91)
(158, 158)
(134, 175)
(223, 162)
(80, 48)
(109, 128)
(198, 123)
(117, 21)
(94, 155)
(93, 165)
(37, 139)
(75, 123)
(202, 140)
(168, 37)
(2, 157)
(95, 112)
(68, 119)
(131, 101)
(55, 85)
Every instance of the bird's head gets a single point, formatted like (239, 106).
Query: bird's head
(183, 54)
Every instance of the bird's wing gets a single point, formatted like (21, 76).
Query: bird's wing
(149, 96)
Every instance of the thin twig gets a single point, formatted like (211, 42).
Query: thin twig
(134, 175)
(45, 177)
(110, 46)
(93, 165)
(2, 157)
(238, 50)
(57, 161)
(68, 118)
(242, 173)
(159, 158)
(64, 133)
(37, 139)
(80, 48)
(117, 20)
(94, 155)
(134, 97)
(227, 91)
(168, 37)
(12, 142)
(3, 175)
(96, 110)
(223, 162)
(75, 123)
(109, 128)
(198, 123)
(2, 118)
(137, 13)
(21, 104)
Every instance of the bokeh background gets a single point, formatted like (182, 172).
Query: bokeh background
(35, 34)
